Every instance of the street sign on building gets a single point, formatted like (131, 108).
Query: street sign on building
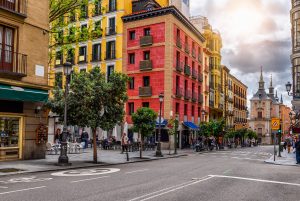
(275, 123)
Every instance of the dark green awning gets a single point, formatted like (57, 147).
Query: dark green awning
(8, 92)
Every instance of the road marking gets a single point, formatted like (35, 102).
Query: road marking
(26, 189)
(85, 172)
(3, 187)
(258, 180)
(227, 171)
(136, 171)
(171, 188)
(178, 188)
(88, 179)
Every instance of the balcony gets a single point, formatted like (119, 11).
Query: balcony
(145, 65)
(194, 74)
(187, 48)
(110, 55)
(178, 43)
(16, 6)
(179, 67)
(200, 77)
(179, 92)
(146, 41)
(200, 98)
(145, 91)
(187, 95)
(110, 31)
(187, 70)
(13, 64)
(194, 97)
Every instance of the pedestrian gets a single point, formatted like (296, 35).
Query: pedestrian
(289, 145)
(57, 136)
(84, 138)
(124, 143)
(297, 147)
(284, 145)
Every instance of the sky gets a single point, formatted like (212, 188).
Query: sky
(255, 33)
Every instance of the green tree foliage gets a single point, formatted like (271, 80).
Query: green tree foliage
(204, 129)
(216, 127)
(92, 101)
(144, 123)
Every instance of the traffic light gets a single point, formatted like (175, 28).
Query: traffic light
(279, 130)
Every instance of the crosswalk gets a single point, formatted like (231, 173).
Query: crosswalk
(238, 155)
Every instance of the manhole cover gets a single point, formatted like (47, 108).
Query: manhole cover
(85, 172)
(7, 170)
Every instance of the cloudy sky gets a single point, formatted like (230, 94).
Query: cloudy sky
(255, 33)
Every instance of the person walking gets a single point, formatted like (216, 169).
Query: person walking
(84, 138)
(124, 143)
(297, 147)
(289, 145)
(57, 136)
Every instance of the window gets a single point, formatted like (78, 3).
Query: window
(70, 56)
(146, 81)
(110, 70)
(111, 26)
(82, 54)
(131, 83)
(97, 52)
(112, 5)
(58, 79)
(193, 110)
(147, 55)
(6, 47)
(10, 130)
(177, 108)
(97, 8)
(130, 108)
(72, 16)
(97, 25)
(131, 58)
(178, 34)
(145, 104)
(131, 35)
(111, 50)
(259, 115)
(185, 109)
(83, 70)
(147, 32)
(58, 58)
(83, 11)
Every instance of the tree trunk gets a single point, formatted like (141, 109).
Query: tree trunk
(94, 146)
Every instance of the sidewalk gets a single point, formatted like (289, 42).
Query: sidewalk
(82, 160)
(288, 159)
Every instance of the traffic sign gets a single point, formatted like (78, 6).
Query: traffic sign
(275, 123)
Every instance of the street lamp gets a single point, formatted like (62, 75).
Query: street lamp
(175, 134)
(158, 150)
(288, 87)
(63, 159)
(203, 115)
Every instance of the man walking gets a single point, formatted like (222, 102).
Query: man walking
(297, 146)
(124, 142)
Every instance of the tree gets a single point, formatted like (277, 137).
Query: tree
(204, 129)
(144, 122)
(93, 102)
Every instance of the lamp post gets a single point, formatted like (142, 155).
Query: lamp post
(158, 150)
(175, 134)
(63, 159)
(203, 115)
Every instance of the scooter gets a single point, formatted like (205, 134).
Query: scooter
(199, 147)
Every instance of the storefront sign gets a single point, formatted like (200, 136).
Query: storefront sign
(41, 134)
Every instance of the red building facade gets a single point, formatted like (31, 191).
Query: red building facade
(163, 53)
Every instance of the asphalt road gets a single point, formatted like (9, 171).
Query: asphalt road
(235, 175)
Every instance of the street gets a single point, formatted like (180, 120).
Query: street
(236, 174)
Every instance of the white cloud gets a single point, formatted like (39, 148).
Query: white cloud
(254, 33)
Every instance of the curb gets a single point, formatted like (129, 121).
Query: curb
(271, 161)
(93, 165)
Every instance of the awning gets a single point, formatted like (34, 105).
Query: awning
(191, 125)
(163, 123)
(8, 92)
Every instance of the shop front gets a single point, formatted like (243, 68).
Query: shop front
(21, 120)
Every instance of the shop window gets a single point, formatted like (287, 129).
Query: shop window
(9, 131)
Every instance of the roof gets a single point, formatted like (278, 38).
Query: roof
(163, 11)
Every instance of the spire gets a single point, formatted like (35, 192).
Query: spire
(271, 83)
(261, 81)
(271, 88)
(276, 97)
(281, 99)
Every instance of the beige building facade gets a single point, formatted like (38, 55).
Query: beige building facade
(23, 78)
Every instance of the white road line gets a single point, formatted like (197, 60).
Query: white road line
(174, 189)
(26, 189)
(149, 194)
(258, 180)
(136, 171)
(88, 179)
